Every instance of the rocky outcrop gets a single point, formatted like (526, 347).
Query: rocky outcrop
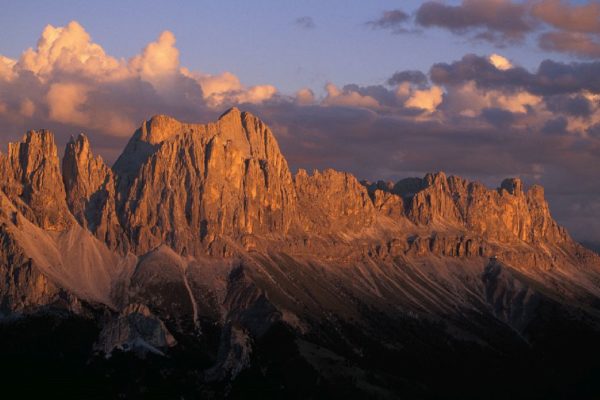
(136, 329)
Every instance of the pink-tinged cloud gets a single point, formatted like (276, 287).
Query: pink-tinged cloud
(305, 96)
(347, 97)
(68, 80)
(428, 99)
(559, 25)
(493, 19)
(569, 17)
(578, 44)
(65, 103)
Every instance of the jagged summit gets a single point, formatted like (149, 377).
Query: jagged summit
(158, 129)
(188, 184)
(232, 112)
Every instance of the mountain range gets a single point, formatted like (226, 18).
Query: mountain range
(199, 265)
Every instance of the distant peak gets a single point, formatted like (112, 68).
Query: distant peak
(160, 121)
(80, 139)
(159, 128)
(38, 135)
(233, 111)
(436, 175)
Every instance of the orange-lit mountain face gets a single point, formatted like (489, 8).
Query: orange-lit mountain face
(200, 254)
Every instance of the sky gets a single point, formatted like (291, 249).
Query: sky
(484, 89)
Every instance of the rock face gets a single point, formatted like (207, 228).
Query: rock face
(200, 244)
(31, 178)
(332, 201)
(185, 184)
(507, 214)
(91, 193)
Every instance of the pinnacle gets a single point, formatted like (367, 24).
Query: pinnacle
(233, 111)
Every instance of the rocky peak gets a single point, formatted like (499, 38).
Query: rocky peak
(431, 202)
(31, 178)
(35, 151)
(82, 172)
(187, 184)
(90, 190)
(248, 133)
(158, 129)
(437, 179)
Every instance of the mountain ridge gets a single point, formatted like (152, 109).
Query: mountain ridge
(200, 239)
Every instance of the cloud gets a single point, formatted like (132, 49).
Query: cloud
(468, 100)
(305, 22)
(565, 16)
(427, 99)
(255, 94)
(27, 108)
(305, 96)
(7, 68)
(215, 85)
(69, 50)
(159, 62)
(415, 77)
(500, 62)
(576, 27)
(348, 97)
(556, 126)
(68, 81)
(391, 19)
(578, 44)
(498, 117)
(65, 102)
(497, 20)
(551, 77)
(573, 105)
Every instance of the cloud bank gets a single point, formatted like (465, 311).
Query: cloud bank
(558, 25)
(68, 80)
